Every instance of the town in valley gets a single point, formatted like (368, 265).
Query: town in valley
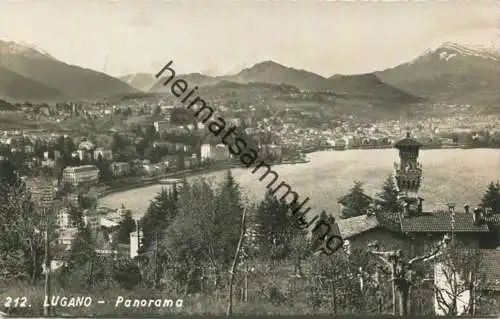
(116, 200)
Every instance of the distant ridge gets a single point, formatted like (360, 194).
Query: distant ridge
(361, 86)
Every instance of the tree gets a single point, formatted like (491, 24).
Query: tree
(117, 143)
(160, 215)
(300, 248)
(389, 196)
(228, 214)
(351, 279)
(192, 240)
(355, 202)
(127, 274)
(104, 167)
(273, 227)
(459, 277)
(21, 227)
(125, 227)
(82, 248)
(402, 270)
(491, 198)
(205, 234)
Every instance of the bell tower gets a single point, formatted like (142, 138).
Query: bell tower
(408, 175)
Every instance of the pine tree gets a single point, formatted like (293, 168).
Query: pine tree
(82, 248)
(389, 196)
(196, 237)
(274, 227)
(126, 226)
(491, 198)
(160, 214)
(229, 212)
(356, 202)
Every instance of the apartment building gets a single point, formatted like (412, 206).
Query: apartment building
(78, 175)
(120, 169)
(217, 152)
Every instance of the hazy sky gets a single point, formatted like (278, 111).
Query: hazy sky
(217, 37)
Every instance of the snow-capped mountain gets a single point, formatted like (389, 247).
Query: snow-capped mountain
(21, 48)
(449, 50)
(30, 73)
(450, 73)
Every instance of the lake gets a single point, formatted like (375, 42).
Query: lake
(450, 175)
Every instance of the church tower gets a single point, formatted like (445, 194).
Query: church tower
(408, 175)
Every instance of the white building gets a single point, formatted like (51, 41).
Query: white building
(105, 154)
(66, 237)
(64, 219)
(219, 152)
(120, 169)
(85, 174)
(135, 243)
(445, 286)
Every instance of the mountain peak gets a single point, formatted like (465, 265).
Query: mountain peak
(266, 64)
(448, 50)
(19, 48)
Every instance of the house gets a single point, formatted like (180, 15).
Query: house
(359, 231)
(490, 266)
(120, 169)
(66, 237)
(77, 175)
(218, 152)
(487, 290)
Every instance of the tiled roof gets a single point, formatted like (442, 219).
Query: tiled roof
(356, 225)
(490, 264)
(441, 222)
(492, 219)
(389, 221)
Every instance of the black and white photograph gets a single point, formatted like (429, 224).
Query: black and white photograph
(201, 158)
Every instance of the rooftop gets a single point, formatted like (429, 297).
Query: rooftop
(440, 222)
(354, 226)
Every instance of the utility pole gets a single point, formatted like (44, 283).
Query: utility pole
(45, 198)
(156, 260)
(46, 311)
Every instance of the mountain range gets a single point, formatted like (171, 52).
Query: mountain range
(448, 73)
(28, 73)
(359, 86)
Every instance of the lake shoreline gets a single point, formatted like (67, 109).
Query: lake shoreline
(330, 175)
(147, 182)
